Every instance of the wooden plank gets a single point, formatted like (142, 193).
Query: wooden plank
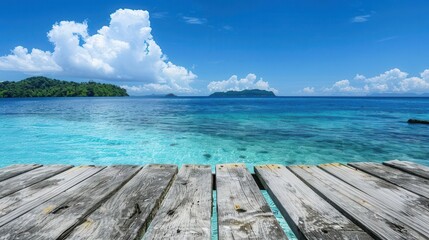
(186, 211)
(407, 207)
(308, 215)
(127, 214)
(14, 170)
(26, 199)
(242, 211)
(57, 216)
(369, 213)
(413, 183)
(409, 167)
(29, 178)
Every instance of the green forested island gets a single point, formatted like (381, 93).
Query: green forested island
(244, 93)
(47, 87)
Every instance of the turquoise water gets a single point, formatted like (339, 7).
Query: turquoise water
(202, 130)
(133, 130)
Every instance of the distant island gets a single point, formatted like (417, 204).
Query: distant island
(47, 87)
(244, 93)
(171, 95)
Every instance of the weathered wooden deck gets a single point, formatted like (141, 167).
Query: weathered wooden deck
(330, 201)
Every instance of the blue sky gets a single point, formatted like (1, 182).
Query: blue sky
(292, 47)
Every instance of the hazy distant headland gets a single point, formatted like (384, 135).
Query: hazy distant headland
(47, 87)
(244, 93)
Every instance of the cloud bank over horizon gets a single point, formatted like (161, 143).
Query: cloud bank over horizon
(235, 84)
(392, 81)
(125, 50)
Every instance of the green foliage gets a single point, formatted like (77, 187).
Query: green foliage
(46, 87)
(244, 93)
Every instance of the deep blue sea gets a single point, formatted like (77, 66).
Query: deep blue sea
(134, 130)
(205, 130)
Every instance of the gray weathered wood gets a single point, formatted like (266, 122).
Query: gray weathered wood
(127, 214)
(26, 199)
(409, 167)
(119, 202)
(57, 216)
(242, 211)
(405, 206)
(308, 215)
(186, 211)
(405, 180)
(29, 178)
(14, 170)
(369, 213)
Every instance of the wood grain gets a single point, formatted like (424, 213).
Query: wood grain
(407, 207)
(409, 167)
(57, 216)
(14, 170)
(413, 183)
(366, 211)
(242, 211)
(26, 199)
(29, 178)
(186, 210)
(127, 214)
(308, 215)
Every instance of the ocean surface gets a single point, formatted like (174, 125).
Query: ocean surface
(135, 130)
(205, 130)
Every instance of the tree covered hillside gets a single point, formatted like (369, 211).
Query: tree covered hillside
(252, 93)
(46, 87)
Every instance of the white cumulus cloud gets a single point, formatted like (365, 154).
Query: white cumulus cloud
(123, 50)
(308, 90)
(342, 86)
(425, 75)
(412, 84)
(391, 81)
(35, 61)
(236, 84)
(388, 76)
